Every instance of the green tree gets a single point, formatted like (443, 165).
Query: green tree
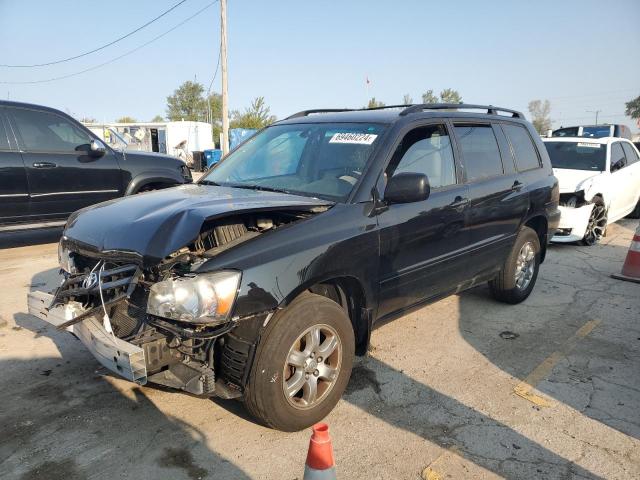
(633, 108)
(373, 103)
(449, 95)
(215, 110)
(540, 118)
(126, 119)
(429, 97)
(406, 99)
(258, 115)
(187, 103)
(157, 118)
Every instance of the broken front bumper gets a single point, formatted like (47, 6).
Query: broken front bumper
(120, 357)
(573, 223)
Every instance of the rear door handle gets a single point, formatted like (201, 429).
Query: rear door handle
(517, 186)
(44, 165)
(459, 202)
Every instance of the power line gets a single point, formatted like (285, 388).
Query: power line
(116, 58)
(215, 74)
(55, 62)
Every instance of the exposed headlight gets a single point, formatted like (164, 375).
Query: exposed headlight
(207, 298)
(65, 260)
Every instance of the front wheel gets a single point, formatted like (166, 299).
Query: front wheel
(518, 275)
(303, 364)
(597, 225)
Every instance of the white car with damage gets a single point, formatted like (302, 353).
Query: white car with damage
(599, 184)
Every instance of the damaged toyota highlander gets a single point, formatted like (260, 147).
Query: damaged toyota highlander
(262, 281)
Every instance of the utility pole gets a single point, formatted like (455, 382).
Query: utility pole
(223, 61)
(596, 112)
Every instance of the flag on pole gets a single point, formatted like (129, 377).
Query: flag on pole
(368, 81)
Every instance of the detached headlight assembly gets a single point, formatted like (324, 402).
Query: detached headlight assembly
(64, 259)
(205, 299)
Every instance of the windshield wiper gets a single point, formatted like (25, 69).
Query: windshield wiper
(208, 182)
(251, 186)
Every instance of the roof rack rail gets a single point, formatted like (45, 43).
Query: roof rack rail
(305, 113)
(491, 110)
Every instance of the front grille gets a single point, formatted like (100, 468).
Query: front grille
(105, 281)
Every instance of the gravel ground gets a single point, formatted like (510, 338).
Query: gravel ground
(442, 394)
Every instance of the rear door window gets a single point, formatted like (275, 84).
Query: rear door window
(480, 151)
(4, 138)
(523, 147)
(630, 153)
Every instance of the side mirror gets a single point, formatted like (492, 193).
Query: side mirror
(97, 148)
(407, 187)
(617, 165)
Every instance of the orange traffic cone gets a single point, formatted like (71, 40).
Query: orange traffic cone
(631, 267)
(320, 464)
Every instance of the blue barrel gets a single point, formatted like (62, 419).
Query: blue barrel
(212, 156)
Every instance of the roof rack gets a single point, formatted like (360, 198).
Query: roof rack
(305, 113)
(491, 110)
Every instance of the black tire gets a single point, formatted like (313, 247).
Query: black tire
(597, 227)
(504, 287)
(636, 211)
(264, 395)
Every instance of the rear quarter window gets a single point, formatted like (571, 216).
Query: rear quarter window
(523, 148)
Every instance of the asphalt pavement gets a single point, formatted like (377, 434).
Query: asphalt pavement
(464, 388)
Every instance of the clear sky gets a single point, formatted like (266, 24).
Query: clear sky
(581, 55)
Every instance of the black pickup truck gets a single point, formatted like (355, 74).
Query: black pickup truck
(51, 166)
(262, 280)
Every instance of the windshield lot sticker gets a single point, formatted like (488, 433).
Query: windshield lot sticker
(359, 138)
(589, 145)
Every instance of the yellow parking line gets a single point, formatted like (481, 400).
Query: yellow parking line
(525, 387)
(430, 472)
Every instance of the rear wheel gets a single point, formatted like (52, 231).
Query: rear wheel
(518, 275)
(597, 225)
(303, 364)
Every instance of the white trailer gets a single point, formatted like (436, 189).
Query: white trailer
(179, 139)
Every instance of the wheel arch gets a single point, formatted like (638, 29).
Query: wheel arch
(350, 294)
(540, 225)
(138, 183)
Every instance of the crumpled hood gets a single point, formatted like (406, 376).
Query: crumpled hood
(156, 224)
(573, 180)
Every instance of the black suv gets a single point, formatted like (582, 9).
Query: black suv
(51, 165)
(264, 279)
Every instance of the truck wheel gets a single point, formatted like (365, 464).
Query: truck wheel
(302, 365)
(518, 275)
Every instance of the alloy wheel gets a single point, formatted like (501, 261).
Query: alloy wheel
(312, 366)
(596, 226)
(525, 265)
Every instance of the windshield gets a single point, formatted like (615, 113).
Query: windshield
(322, 160)
(577, 155)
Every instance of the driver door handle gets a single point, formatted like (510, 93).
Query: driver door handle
(517, 186)
(44, 165)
